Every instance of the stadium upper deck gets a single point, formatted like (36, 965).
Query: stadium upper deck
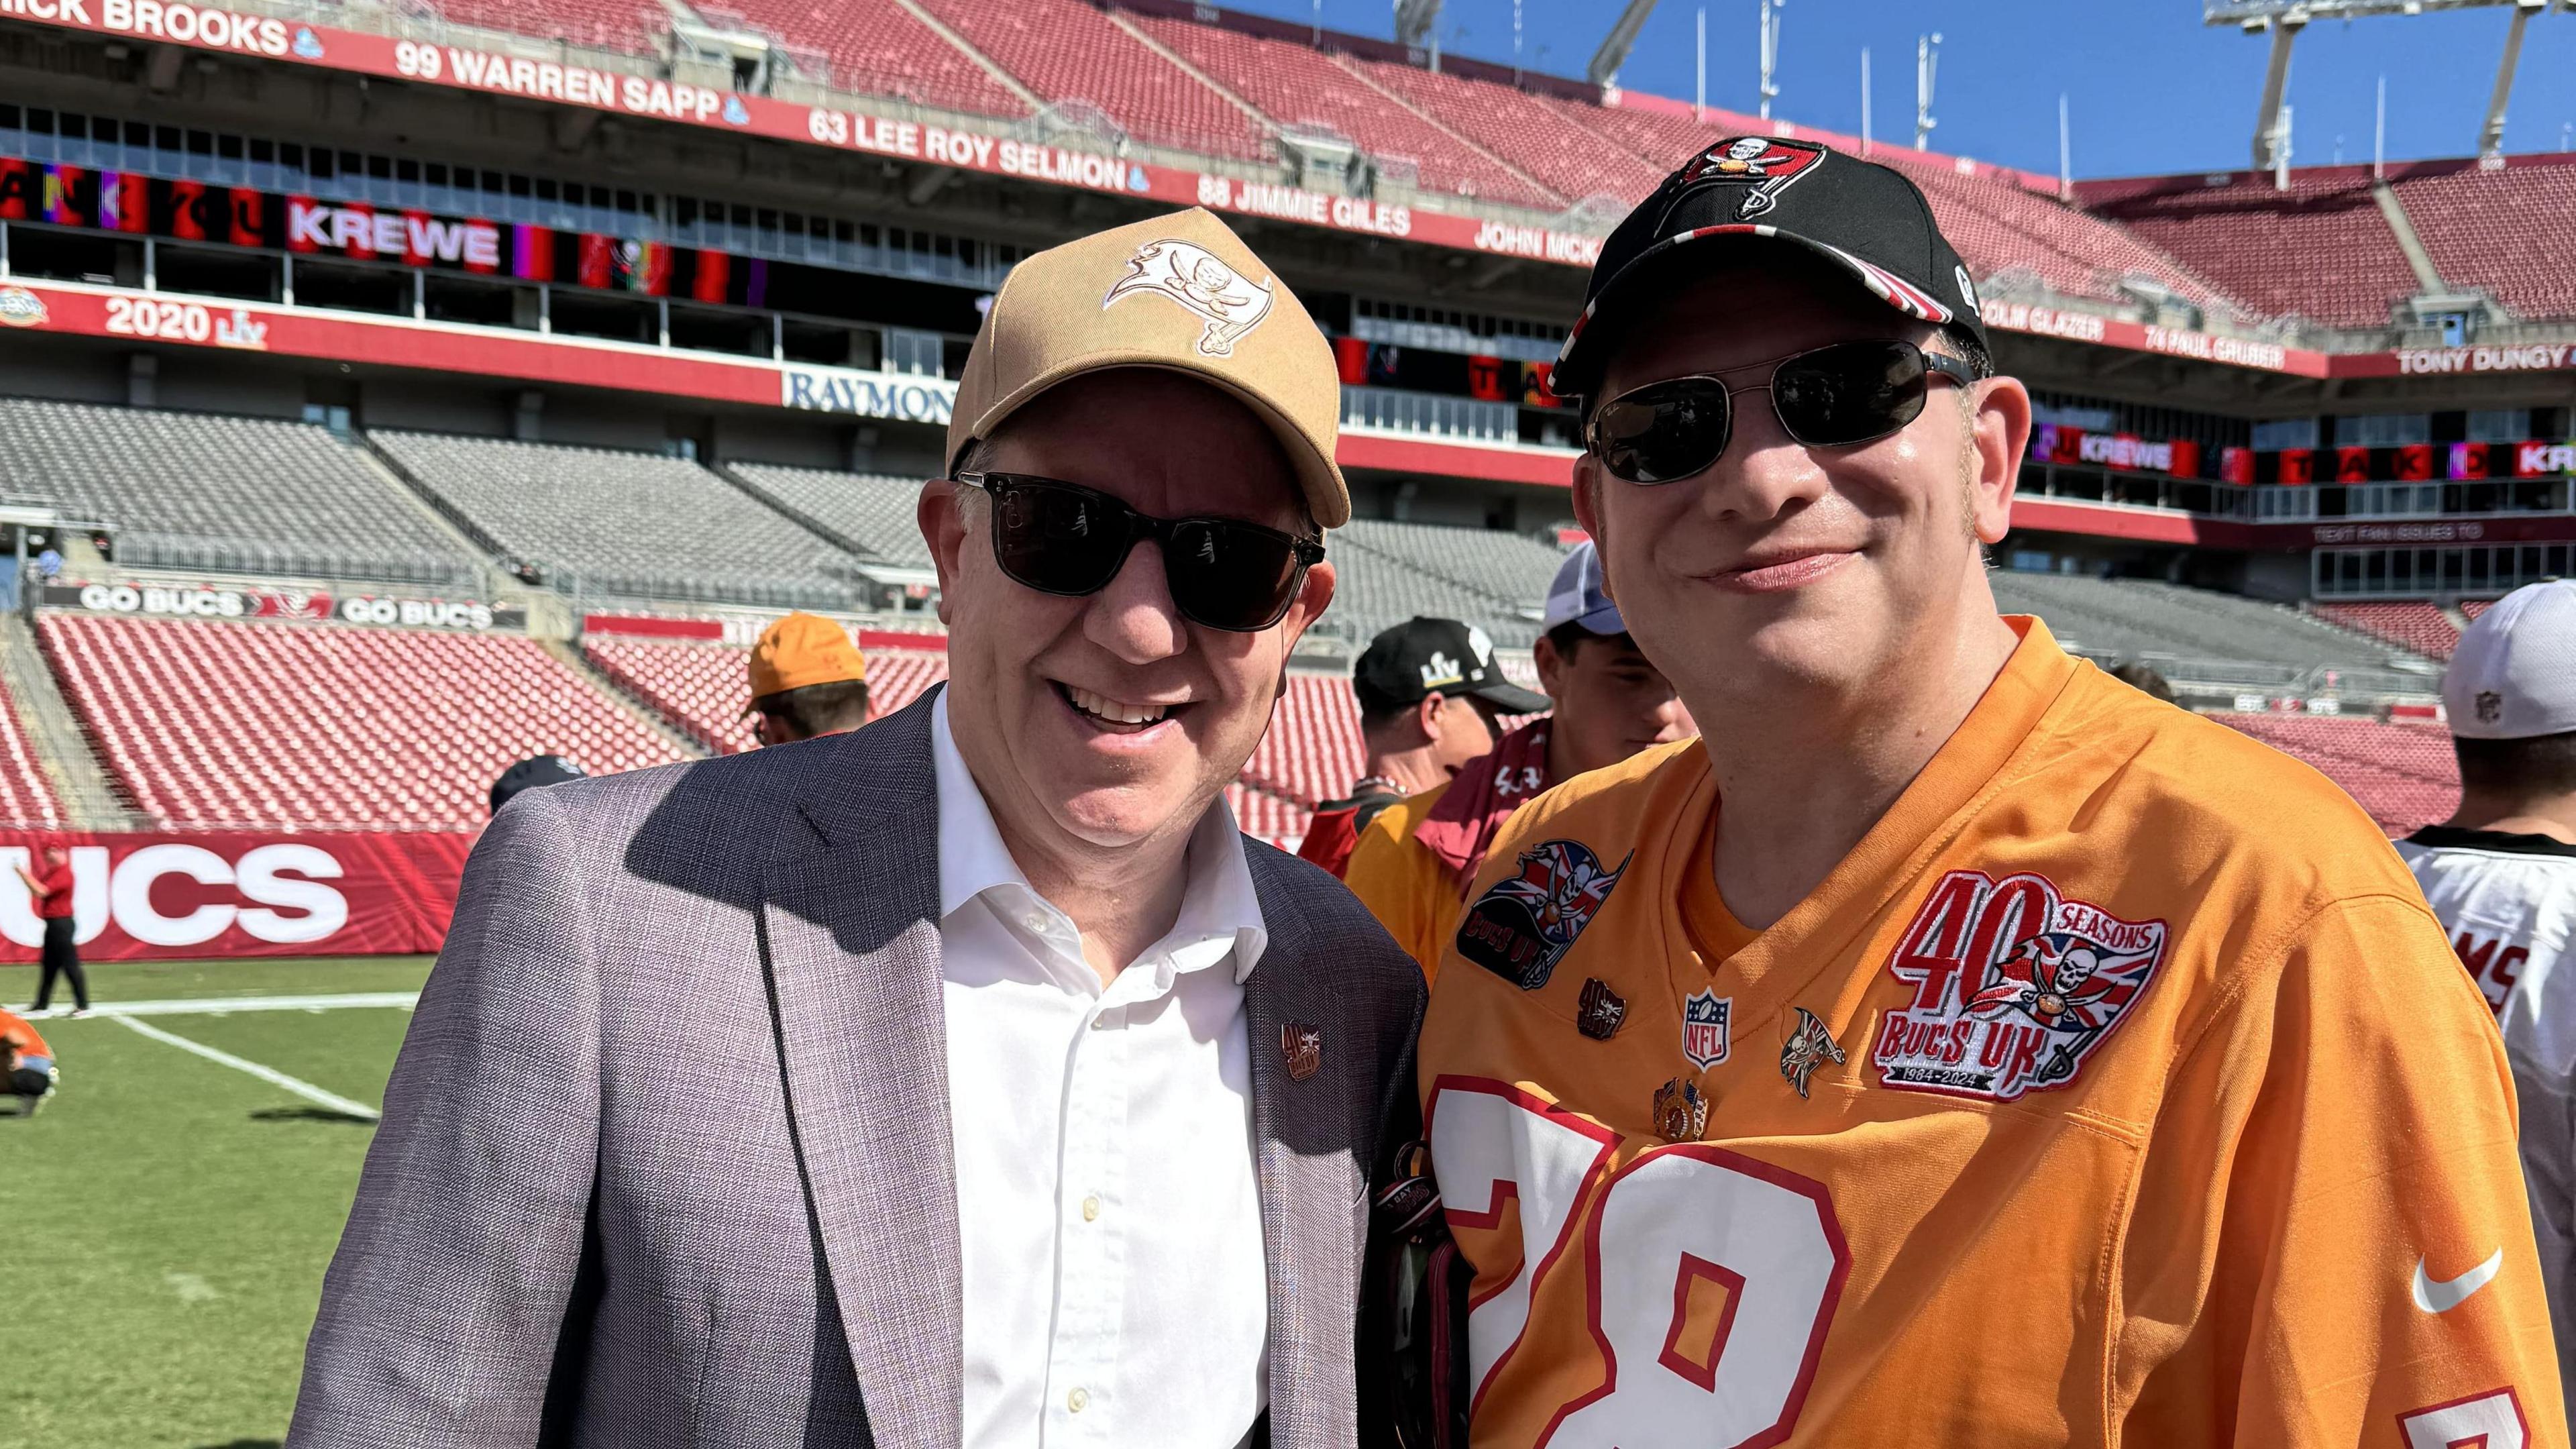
(757, 236)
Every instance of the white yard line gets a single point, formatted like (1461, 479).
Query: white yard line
(226, 1005)
(270, 1075)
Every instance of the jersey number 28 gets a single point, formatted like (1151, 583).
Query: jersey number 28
(1713, 1276)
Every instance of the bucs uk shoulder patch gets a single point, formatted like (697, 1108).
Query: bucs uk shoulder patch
(2015, 987)
(1526, 923)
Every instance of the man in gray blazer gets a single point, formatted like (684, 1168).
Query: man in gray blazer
(964, 1081)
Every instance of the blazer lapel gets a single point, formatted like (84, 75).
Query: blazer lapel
(850, 932)
(1309, 1217)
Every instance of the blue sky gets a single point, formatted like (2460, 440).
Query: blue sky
(2150, 88)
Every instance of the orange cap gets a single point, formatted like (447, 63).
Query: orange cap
(799, 650)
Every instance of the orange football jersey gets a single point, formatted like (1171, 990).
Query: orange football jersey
(2117, 1088)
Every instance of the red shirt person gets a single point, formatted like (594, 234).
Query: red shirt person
(50, 884)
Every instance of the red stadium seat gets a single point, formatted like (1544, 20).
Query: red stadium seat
(2421, 627)
(2320, 249)
(2403, 774)
(26, 796)
(214, 724)
(879, 48)
(1068, 51)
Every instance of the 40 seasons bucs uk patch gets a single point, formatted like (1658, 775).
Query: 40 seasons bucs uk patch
(2016, 986)
(1526, 923)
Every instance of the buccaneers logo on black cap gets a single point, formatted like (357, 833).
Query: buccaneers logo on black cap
(1764, 165)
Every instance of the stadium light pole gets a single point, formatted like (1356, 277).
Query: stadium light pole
(2065, 153)
(1699, 86)
(1927, 74)
(2379, 134)
(1864, 100)
(2491, 135)
(1770, 12)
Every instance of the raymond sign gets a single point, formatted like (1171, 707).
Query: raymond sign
(144, 897)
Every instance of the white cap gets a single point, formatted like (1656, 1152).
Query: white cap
(2514, 675)
(1577, 596)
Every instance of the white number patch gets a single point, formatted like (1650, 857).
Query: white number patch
(1681, 1226)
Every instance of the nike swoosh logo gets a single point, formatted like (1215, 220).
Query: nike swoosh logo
(2434, 1296)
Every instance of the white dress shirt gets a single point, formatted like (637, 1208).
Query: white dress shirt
(1106, 1199)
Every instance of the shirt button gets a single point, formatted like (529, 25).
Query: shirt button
(1036, 923)
(1077, 1400)
(1091, 1208)
(1100, 1022)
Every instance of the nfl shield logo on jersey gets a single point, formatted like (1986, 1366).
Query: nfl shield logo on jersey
(2015, 986)
(1704, 1036)
(1522, 927)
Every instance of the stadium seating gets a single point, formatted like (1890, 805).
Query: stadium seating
(1511, 568)
(26, 796)
(1265, 816)
(1296, 85)
(2404, 775)
(622, 25)
(2421, 627)
(864, 512)
(1373, 590)
(2503, 232)
(1312, 750)
(880, 48)
(1066, 51)
(1555, 150)
(259, 495)
(2320, 250)
(702, 689)
(1999, 226)
(212, 723)
(2474, 607)
(637, 525)
(699, 689)
(2134, 617)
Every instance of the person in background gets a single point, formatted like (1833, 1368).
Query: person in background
(1412, 866)
(807, 679)
(27, 1072)
(2144, 677)
(1430, 700)
(532, 773)
(51, 886)
(2501, 873)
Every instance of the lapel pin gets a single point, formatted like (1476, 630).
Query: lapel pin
(1600, 1012)
(1809, 1047)
(1303, 1047)
(1681, 1113)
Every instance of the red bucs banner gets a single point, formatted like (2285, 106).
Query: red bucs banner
(190, 895)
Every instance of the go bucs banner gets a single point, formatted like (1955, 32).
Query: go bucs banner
(196, 894)
(195, 211)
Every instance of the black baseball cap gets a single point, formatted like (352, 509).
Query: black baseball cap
(532, 773)
(1866, 218)
(1408, 663)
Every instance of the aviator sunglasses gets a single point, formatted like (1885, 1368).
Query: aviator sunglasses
(1835, 396)
(1062, 538)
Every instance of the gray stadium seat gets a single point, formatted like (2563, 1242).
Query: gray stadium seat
(632, 525)
(866, 512)
(230, 494)
(2134, 617)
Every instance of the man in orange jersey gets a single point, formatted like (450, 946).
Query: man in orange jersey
(1413, 864)
(2010, 1058)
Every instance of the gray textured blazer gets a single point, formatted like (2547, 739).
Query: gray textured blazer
(666, 1158)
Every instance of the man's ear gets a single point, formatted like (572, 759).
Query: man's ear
(939, 511)
(1314, 596)
(1427, 713)
(1587, 514)
(2002, 432)
(1551, 666)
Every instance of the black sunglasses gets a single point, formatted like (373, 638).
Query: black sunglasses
(1835, 396)
(1063, 538)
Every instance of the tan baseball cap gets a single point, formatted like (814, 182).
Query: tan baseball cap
(1180, 292)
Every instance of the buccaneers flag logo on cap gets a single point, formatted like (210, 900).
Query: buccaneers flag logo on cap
(1194, 277)
(1766, 165)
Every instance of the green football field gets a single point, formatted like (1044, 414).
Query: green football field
(165, 1220)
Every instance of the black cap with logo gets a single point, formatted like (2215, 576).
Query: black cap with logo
(1409, 662)
(1866, 218)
